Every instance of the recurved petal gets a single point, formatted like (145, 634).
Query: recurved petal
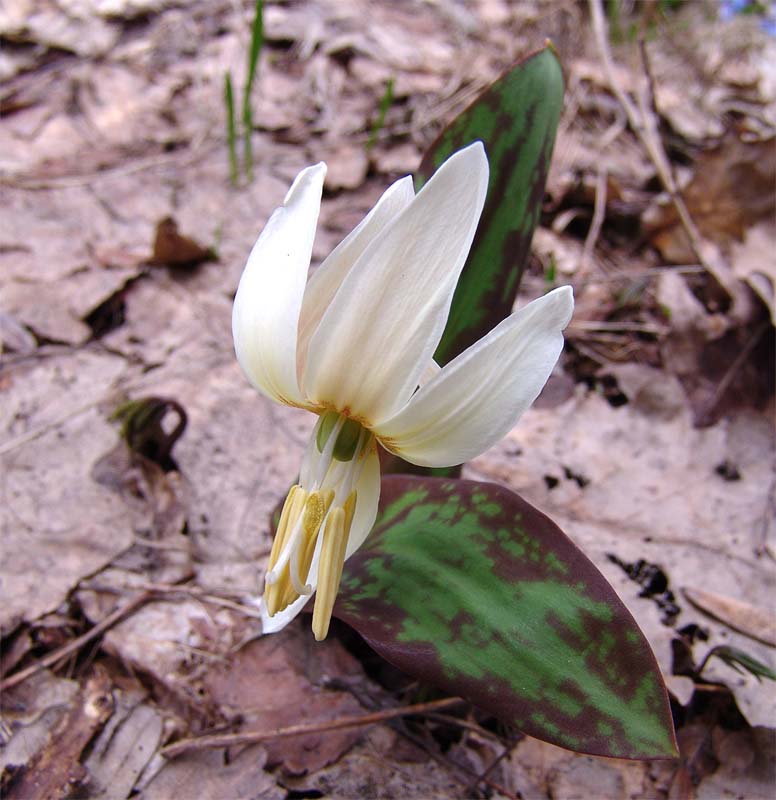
(383, 325)
(266, 310)
(368, 497)
(326, 280)
(478, 397)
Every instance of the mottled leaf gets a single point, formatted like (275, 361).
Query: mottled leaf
(516, 118)
(471, 589)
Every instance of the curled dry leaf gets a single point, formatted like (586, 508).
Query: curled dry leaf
(124, 747)
(209, 774)
(171, 247)
(754, 621)
(57, 771)
(753, 262)
(731, 190)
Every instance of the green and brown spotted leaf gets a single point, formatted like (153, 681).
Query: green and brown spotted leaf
(471, 589)
(516, 118)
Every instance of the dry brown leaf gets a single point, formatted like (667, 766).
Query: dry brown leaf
(347, 168)
(56, 772)
(175, 642)
(275, 682)
(755, 781)
(31, 711)
(399, 159)
(176, 250)
(49, 543)
(124, 747)
(15, 337)
(753, 261)
(540, 770)
(731, 190)
(754, 621)
(209, 776)
(382, 765)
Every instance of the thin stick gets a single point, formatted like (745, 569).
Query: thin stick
(644, 126)
(254, 737)
(57, 655)
(191, 591)
(483, 776)
(599, 214)
(634, 327)
(738, 362)
(446, 762)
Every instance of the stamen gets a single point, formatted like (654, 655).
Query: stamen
(277, 579)
(306, 555)
(295, 503)
(282, 530)
(316, 521)
(335, 540)
(314, 513)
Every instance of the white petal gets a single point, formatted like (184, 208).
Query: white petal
(282, 618)
(368, 489)
(266, 310)
(368, 496)
(479, 395)
(431, 371)
(385, 322)
(326, 280)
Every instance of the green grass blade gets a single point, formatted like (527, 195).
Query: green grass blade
(257, 42)
(231, 128)
(385, 104)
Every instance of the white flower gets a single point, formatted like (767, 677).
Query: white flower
(354, 343)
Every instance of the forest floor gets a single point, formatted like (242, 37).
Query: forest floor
(127, 585)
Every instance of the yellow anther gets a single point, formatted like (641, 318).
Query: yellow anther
(313, 514)
(281, 534)
(335, 541)
(350, 510)
(323, 500)
(275, 593)
(289, 593)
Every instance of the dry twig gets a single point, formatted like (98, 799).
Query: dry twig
(733, 369)
(599, 214)
(644, 124)
(255, 737)
(76, 644)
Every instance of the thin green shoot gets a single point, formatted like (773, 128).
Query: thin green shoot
(737, 659)
(385, 104)
(551, 272)
(615, 21)
(231, 128)
(257, 42)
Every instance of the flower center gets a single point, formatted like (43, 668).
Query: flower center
(324, 500)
